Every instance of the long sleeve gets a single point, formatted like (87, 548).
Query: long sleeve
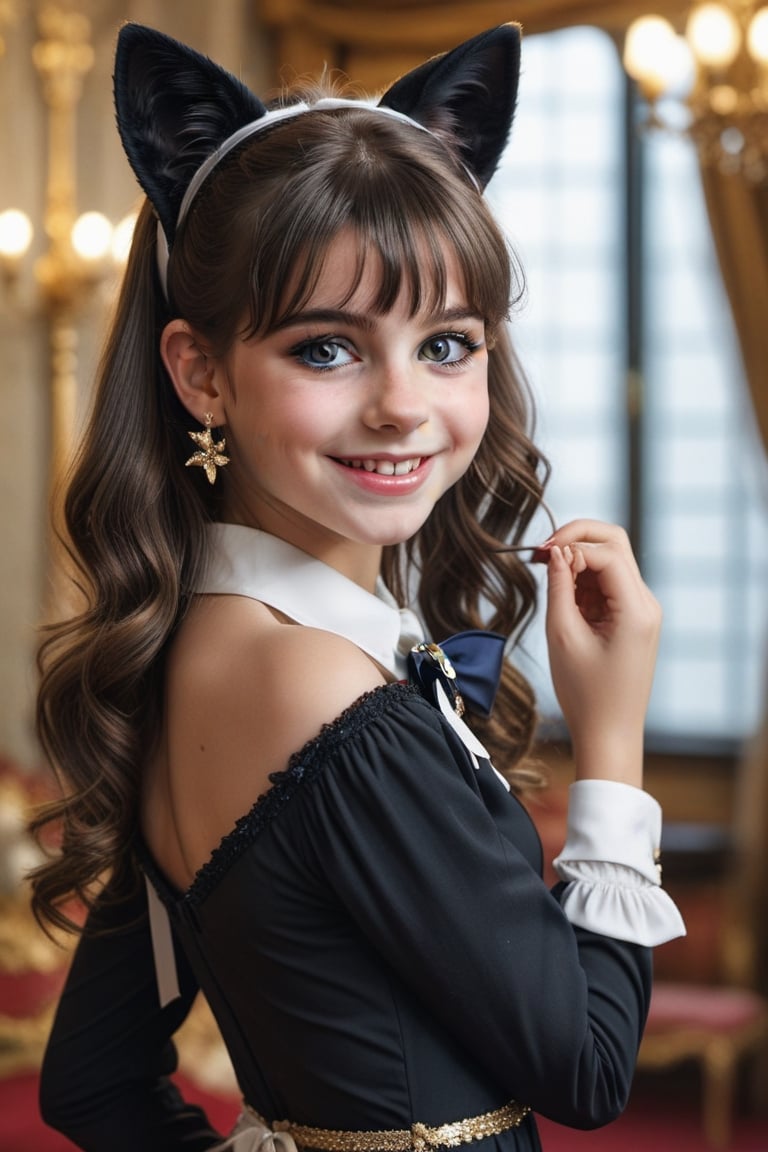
(105, 1077)
(424, 850)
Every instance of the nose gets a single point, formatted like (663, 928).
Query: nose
(396, 400)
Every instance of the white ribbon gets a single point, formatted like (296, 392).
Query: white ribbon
(251, 1134)
(162, 947)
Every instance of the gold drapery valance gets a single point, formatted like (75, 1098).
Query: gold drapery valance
(375, 42)
(433, 25)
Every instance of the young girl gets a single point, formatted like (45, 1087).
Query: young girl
(309, 417)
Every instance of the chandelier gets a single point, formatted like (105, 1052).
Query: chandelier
(712, 81)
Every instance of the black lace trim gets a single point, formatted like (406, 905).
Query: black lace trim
(303, 767)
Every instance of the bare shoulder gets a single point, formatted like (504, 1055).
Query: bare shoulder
(244, 691)
(236, 660)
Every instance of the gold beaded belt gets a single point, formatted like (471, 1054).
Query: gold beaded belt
(417, 1138)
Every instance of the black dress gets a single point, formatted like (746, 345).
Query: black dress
(378, 947)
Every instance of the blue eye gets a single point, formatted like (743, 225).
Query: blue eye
(448, 348)
(326, 352)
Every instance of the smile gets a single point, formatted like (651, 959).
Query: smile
(385, 467)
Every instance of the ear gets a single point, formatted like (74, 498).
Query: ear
(194, 375)
(469, 92)
(174, 107)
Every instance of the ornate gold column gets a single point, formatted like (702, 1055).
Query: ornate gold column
(62, 56)
(79, 249)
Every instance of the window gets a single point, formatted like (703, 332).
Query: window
(684, 472)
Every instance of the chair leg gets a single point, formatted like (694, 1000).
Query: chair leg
(719, 1068)
(758, 1098)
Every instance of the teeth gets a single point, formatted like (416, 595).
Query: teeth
(385, 467)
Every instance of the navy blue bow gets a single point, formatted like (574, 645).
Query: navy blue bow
(467, 665)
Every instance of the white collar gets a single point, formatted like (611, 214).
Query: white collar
(248, 562)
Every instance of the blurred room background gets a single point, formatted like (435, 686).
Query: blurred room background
(635, 194)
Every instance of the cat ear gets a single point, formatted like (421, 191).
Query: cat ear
(174, 107)
(469, 92)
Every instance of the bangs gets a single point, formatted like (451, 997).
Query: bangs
(407, 217)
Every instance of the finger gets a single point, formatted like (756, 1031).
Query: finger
(613, 570)
(589, 532)
(562, 610)
(610, 589)
(576, 560)
(590, 544)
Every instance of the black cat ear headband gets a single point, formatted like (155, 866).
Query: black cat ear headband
(179, 114)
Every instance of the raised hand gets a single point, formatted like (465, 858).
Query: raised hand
(603, 628)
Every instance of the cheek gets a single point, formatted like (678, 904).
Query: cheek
(471, 420)
(282, 425)
(484, 411)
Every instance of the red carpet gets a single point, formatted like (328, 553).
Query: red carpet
(657, 1121)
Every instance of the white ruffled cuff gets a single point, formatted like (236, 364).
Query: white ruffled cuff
(611, 863)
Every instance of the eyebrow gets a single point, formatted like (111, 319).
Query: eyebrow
(365, 321)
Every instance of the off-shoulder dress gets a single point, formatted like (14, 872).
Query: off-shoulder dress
(374, 936)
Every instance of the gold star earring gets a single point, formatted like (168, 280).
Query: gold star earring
(211, 455)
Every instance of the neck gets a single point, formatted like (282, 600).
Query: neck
(360, 563)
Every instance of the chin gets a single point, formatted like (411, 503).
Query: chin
(399, 535)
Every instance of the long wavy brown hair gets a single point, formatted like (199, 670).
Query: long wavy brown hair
(253, 244)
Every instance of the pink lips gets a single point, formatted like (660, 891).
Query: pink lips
(383, 483)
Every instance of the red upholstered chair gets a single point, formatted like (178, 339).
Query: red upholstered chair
(716, 1026)
(722, 1022)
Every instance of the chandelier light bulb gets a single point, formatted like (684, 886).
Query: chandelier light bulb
(757, 36)
(711, 84)
(15, 233)
(714, 35)
(650, 54)
(92, 236)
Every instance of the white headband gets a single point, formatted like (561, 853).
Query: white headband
(265, 121)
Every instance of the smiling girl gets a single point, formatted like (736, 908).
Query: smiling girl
(345, 423)
(308, 460)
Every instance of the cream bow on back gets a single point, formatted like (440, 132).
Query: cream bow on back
(251, 1134)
